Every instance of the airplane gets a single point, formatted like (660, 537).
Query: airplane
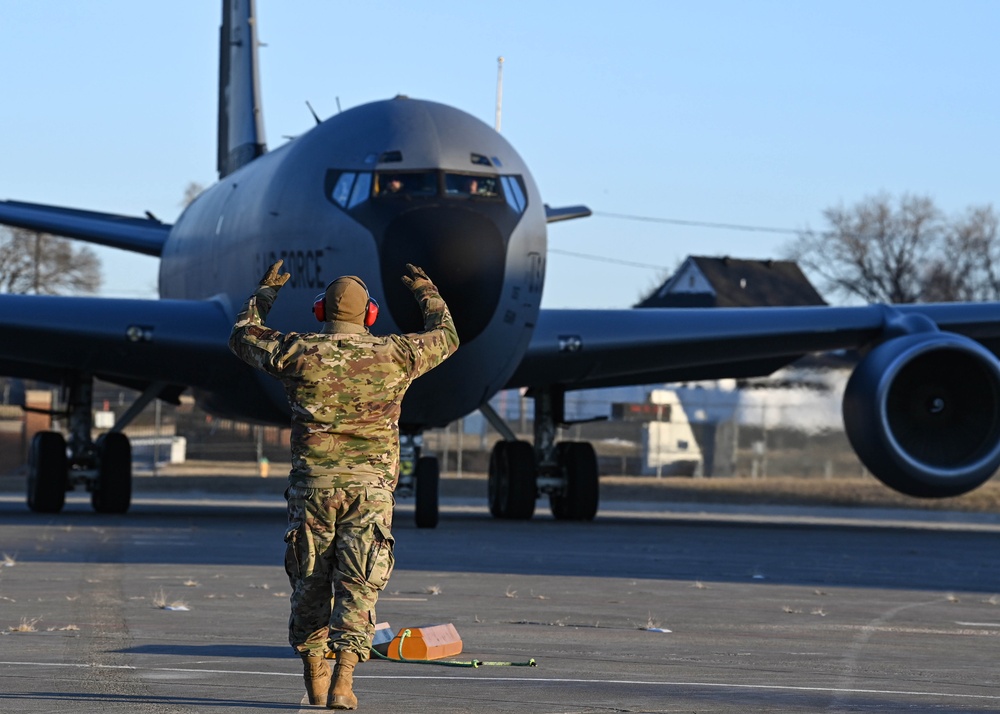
(406, 180)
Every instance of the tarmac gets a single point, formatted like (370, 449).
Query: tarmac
(181, 606)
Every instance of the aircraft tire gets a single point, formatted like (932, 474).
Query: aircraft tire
(113, 490)
(578, 502)
(428, 479)
(48, 469)
(513, 480)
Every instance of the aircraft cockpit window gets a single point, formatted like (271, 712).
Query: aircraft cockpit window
(361, 189)
(350, 188)
(513, 191)
(389, 185)
(341, 192)
(469, 186)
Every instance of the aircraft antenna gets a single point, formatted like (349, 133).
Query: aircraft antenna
(499, 91)
(313, 111)
(338, 105)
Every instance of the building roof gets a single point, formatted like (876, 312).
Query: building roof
(731, 282)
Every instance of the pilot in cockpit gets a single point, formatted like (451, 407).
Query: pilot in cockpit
(393, 185)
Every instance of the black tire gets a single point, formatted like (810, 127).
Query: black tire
(578, 502)
(513, 480)
(48, 472)
(113, 490)
(428, 478)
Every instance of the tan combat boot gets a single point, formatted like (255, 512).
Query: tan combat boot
(316, 672)
(341, 694)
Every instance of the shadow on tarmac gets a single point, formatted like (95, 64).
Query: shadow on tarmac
(82, 698)
(215, 650)
(723, 550)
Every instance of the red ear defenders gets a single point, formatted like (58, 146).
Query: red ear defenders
(371, 310)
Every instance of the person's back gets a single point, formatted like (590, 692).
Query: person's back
(345, 387)
(346, 390)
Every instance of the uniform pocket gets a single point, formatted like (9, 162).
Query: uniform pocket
(380, 557)
(300, 560)
(291, 549)
(382, 496)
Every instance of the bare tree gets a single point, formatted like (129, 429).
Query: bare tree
(967, 268)
(42, 264)
(875, 250)
(191, 192)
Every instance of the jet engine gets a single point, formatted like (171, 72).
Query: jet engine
(922, 411)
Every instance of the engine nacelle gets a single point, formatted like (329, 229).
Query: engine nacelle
(922, 411)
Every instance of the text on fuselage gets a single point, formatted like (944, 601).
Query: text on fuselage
(305, 266)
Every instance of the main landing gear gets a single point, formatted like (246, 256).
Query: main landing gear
(520, 473)
(57, 464)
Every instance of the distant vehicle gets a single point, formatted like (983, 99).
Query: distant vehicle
(922, 409)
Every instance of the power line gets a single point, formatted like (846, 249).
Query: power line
(698, 224)
(605, 259)
(671, 221)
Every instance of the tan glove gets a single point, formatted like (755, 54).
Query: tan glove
(417, 278)
(273, 279)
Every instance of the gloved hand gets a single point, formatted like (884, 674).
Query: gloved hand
(416, 279)
(273, 279)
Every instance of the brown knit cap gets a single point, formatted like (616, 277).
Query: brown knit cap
(346, 300)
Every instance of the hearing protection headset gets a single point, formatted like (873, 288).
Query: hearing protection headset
(371, 312)
(371, 308)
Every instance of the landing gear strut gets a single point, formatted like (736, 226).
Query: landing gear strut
(520, 473)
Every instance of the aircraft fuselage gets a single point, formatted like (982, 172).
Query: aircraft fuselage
(365, 192)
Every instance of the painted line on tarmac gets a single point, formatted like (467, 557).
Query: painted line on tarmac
(196, 499)
(133, 668)
(669, 512)
(532, 680)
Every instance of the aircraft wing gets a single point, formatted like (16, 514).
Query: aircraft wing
(139, 235)
(583, 349)
(125, 341)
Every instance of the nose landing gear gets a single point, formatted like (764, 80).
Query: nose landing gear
(420, 477)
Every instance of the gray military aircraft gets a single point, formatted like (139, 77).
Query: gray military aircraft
(411, 181)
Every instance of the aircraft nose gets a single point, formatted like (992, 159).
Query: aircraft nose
(461, 250)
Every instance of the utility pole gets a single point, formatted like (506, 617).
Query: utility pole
(36, 277)
(499, 92)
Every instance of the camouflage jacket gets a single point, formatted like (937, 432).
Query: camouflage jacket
(344, 386)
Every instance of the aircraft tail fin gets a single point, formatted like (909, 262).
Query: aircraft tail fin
(241, 121)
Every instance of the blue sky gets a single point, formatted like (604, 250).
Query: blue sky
(750, 113)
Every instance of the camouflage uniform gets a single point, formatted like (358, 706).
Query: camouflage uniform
(345, 387)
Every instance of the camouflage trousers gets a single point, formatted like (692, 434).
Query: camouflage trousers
(338, 558)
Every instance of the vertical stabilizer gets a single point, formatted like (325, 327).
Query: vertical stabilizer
(241, 122)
